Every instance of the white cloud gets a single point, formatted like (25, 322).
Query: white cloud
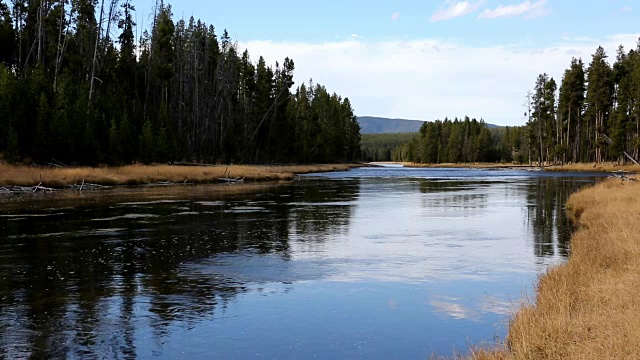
(356, 36)
(626, 9)
(452, 9)
(527, 9)
(395, 16)
(453, 310)
(430, 78)
(495, 305)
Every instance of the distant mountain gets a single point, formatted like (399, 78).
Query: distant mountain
(378, 125)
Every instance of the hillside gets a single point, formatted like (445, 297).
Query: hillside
(378, 125)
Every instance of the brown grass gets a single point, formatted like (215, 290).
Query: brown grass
(588, 308)
(579, 167)
(142, 174)
(602, 167)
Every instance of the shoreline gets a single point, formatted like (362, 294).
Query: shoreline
(40, 178)
(579, 167)
(587, 307)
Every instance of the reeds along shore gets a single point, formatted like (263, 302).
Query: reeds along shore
(143, 174)
(588, 308)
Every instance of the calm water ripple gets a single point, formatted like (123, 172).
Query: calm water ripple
(372, 263)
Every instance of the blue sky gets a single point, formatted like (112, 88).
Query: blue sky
(423, 59)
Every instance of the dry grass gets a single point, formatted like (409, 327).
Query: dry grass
(602, 167)
(588, 308)
(142, 174)
(579, 167)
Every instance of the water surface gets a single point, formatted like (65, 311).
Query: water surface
(372, 263)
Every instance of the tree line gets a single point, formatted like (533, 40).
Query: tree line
(593, 116)
(78, 86)
(453, 141)
(380, 147)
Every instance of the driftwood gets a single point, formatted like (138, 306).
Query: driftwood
(231, 180)
(610, 142)
(54, 161)
(88, 186)
(621, 175)
(169, 183)
(181, 163)
(25, 189)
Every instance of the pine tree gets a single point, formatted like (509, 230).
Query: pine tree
(599, 99)
(7, 36)
(147, 143)
(176, 93)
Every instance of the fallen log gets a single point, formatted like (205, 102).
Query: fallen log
(37, 186)
(231, 180)
(181, 163)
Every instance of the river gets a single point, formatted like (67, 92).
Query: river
(371, 263)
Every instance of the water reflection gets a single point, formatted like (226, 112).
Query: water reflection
(135, 273)
(73, 282)
(547, 215)
(545, 198)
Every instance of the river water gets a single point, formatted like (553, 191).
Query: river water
(371, 263)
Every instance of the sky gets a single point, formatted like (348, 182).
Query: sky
(425, 59)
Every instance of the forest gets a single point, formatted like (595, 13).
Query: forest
(456, 141)
(593, 116)
(380, 147)
(78, 86)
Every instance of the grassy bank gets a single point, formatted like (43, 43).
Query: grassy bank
(579, 167)
(143, 174)
(602, 167)
(587, 308)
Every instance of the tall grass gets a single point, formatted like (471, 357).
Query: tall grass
(142, 174)
(588, 308)
(602, 167)
(581, 167)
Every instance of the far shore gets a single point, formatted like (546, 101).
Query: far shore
(75, 177)
(578, 167)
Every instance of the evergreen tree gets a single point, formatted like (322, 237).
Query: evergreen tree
(76, 87)
(7, 36)
(599, 99)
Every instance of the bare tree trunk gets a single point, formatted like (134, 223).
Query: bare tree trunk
(568, 134)
(95, 52)
(39, 57)
(541, 157)
(17, 16)
(60, 47)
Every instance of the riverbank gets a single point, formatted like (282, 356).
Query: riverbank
(592, 167)
(464, 165)
(579, 167)
(150, 174)
(587, 308)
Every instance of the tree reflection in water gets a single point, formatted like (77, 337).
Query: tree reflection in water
(93, 274)
(78, 278)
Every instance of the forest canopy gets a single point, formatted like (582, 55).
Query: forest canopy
(77, 86)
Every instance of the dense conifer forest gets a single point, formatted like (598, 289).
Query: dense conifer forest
(380, 147)
(77, 85)
(593, 116)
